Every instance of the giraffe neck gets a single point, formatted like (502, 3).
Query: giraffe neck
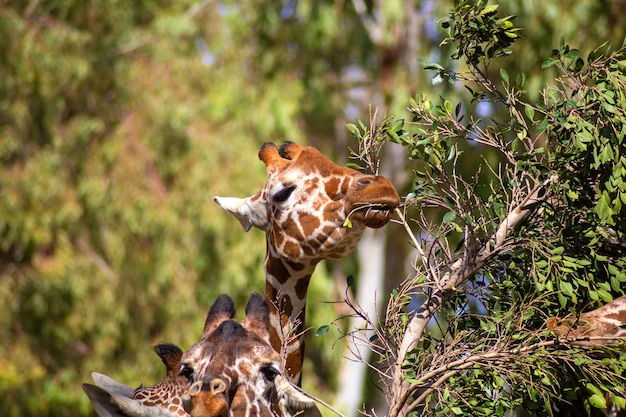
(286, 287)
(166, 394)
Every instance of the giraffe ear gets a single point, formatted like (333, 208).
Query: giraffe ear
(222, 309)
(109, 397)
(292, 400)
(250, 211)
(102, 402)
(170, 355)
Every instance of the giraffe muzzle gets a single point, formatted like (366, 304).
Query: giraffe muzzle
(372, 215)
(206, 399)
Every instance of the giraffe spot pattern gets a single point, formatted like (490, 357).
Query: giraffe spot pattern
(309, 226)
(331, 188)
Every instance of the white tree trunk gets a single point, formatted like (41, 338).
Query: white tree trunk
(371, 255)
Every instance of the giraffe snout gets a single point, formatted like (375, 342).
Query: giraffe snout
(206, 398)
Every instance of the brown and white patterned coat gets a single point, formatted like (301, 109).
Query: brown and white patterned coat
(602, 326)
(310, 209)
(233, 371)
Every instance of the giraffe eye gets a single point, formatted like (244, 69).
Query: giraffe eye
(269, 372)
(186, 371)
(365, 181)
(282, 195)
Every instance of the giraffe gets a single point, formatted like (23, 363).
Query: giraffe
(111, 398)
(310, 209)
(233, 371)
(602, 326)
(239, 359)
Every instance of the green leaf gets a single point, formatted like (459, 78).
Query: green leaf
(578, 65)
(491, 9)
(431, 65)
(605, 295)
(451, 153)
(398, 124)
(322, 330)
(606, 154)
(449, 216)
(618, 401)
(353, 129)
(597, 401)
(542, 125)
(603, 208)
(567, 288)
(609, 108)
(530, 112)
(615, 283)
(573, 53)
(354, 166)
(504, 75)
(558, 250)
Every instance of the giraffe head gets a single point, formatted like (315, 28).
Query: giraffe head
(231, 372)
(110, 398)
(234, 371)
(312, 208)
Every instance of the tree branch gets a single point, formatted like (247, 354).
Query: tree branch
(459, 272)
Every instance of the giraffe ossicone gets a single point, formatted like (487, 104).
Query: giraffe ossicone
(232, 371)
(310, 209)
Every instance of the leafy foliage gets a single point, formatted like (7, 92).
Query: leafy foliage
(118, 121)
(539, 233)
(584, 119)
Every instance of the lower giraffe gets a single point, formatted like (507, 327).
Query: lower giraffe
(233, 371)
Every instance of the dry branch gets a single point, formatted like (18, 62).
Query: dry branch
(458, 273)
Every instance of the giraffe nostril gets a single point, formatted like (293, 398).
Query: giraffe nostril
(217, 386)
(195, 388)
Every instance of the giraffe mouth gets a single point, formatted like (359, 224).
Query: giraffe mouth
(372, 215)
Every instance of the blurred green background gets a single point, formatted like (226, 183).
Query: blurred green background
(120, 120)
